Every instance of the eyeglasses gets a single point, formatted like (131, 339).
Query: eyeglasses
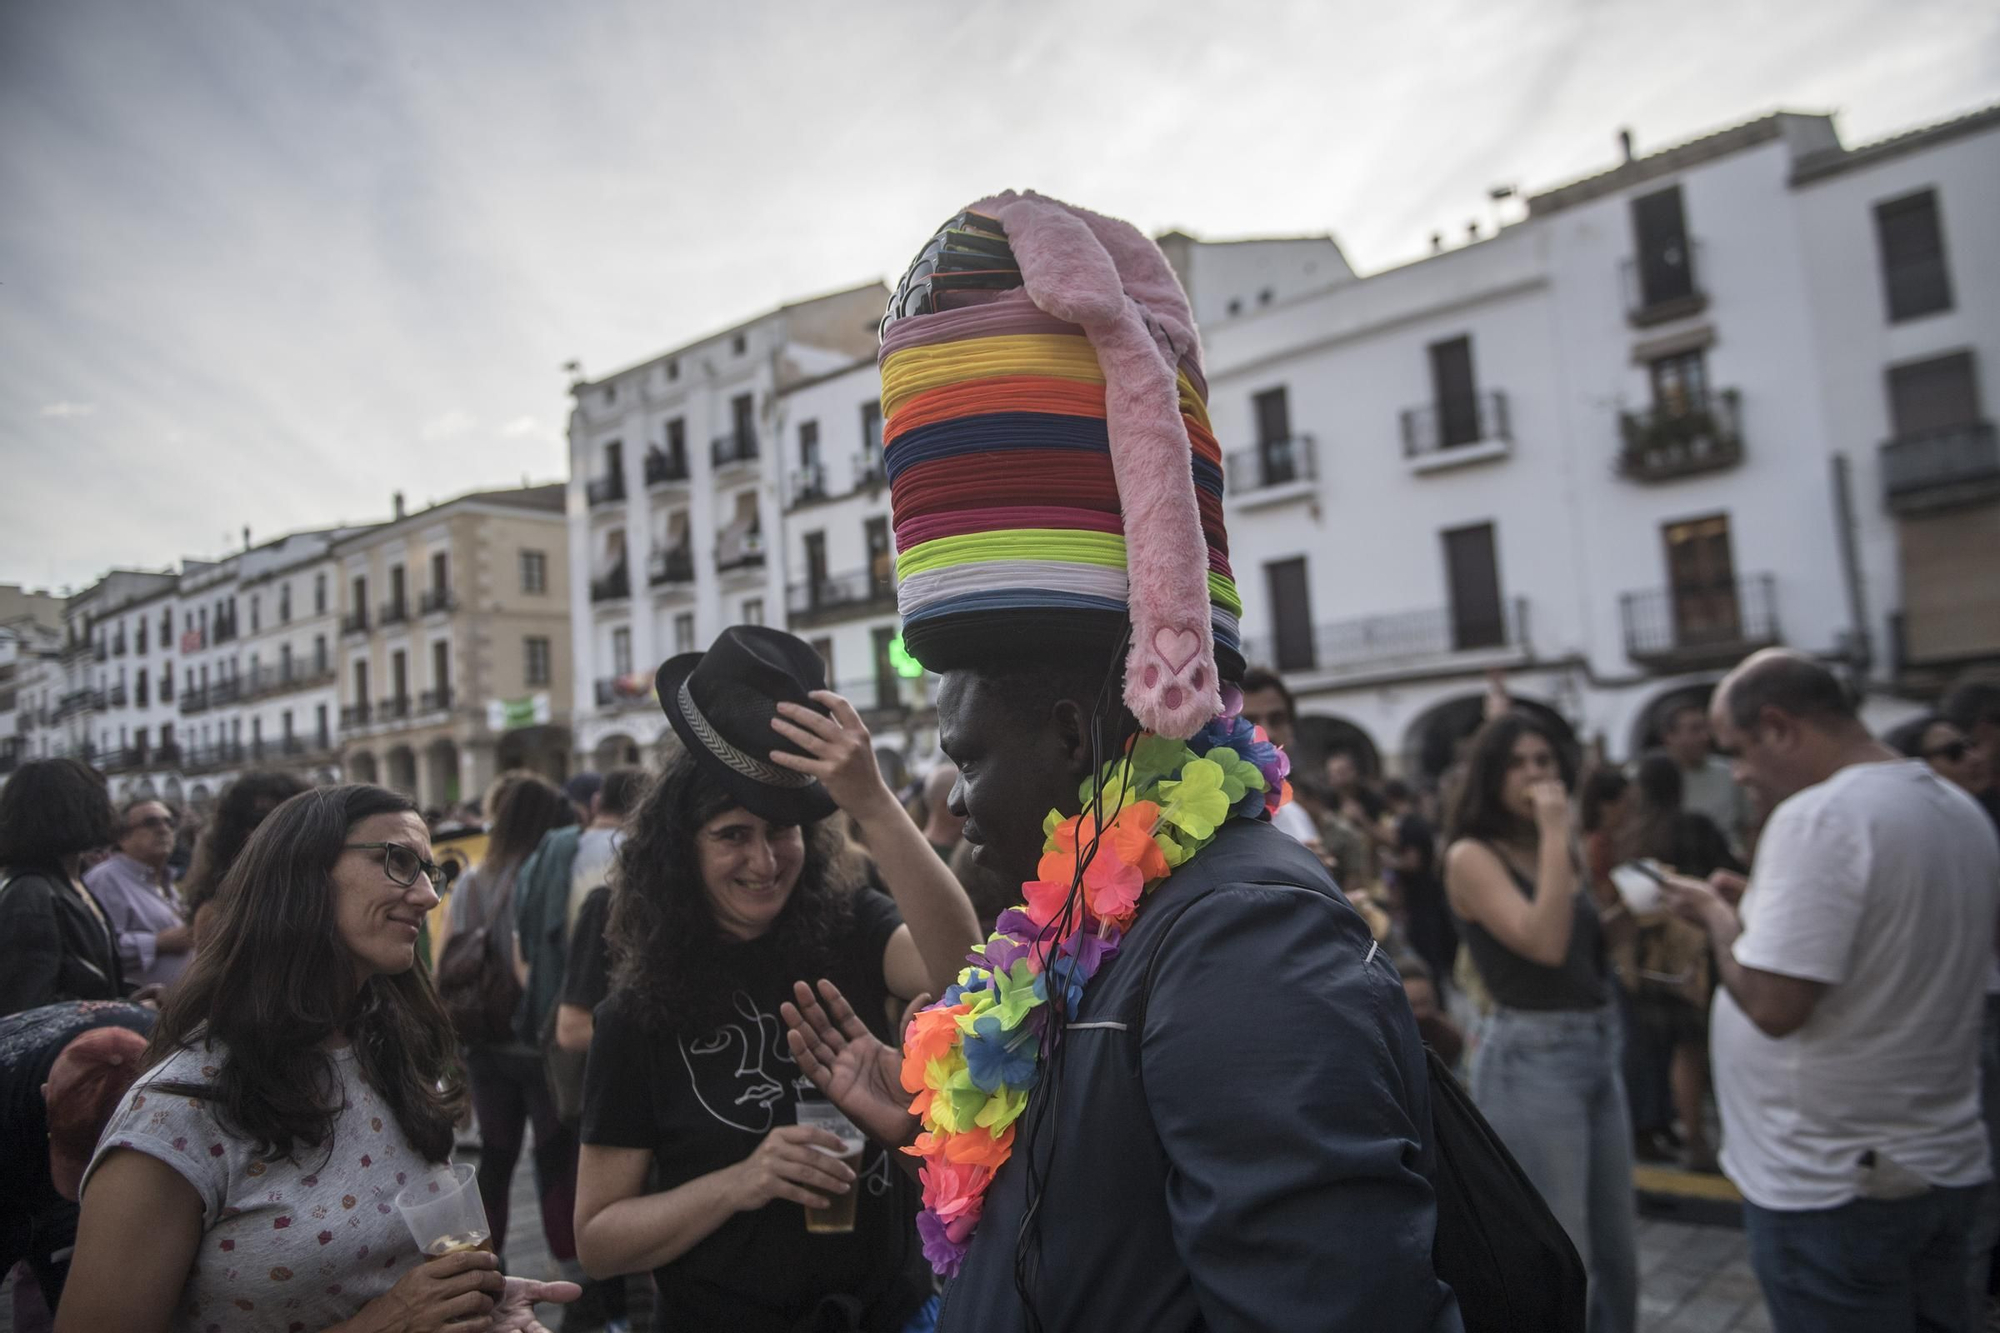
(403, 865)
(1952, 752)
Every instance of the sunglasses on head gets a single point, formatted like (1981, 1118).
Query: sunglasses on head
(403, 865)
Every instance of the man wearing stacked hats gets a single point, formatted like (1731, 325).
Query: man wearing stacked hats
(1180, 1087)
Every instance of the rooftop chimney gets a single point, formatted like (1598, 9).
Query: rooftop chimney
(1437, 242)
(246, 536)
(1472, 230)
(1625, 145)
(399, 504)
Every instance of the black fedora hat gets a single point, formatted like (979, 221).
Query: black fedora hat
(721, 703)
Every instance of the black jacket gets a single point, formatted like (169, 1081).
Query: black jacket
(1239, 1137)
(52, 946)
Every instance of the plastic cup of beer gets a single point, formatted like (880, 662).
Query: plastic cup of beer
(444, 1213)
(838, 1215)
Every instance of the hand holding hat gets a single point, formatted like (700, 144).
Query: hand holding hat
(838, 753)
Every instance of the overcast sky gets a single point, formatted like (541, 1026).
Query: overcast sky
(266, 263)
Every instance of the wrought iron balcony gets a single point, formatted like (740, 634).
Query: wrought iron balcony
(353, 716)
(1667, 287)
(809, 483)
(870, 469)
(434, 600)
(612, 586)
(116, 696)
(118, 646)
(670, 566)
(194, 701)
(858, 592)
(1666, 442)
(1432, 432)
(1400, 640)
(734, 448)
(435, 701)
(663, 468)
(393, 709)
(354, 623)
(1270, 464)
(605, 490)
(395, 613)
(739, 548)
(1690, 629)
(1939, 468)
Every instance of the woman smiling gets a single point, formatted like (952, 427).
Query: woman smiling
(300, 1075)
(726, 896)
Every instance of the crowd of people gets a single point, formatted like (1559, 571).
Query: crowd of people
(1125, 1013)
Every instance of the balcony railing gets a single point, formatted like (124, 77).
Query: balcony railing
(634, 690)
(809, 483)
(118, 646)
(434, 600)
(610, 587)
(869, 469)
(1400, 640)
(1939, 468)
(116, 696)
(396, 612)
(435, 701)
(1271, 463)
(1664, 287)
(122, 759)
(663, 468)
(670, 566)
(168, 755)
(1460, 421)
(194, 701)
(605, 490)
(1663, 442)
(225, 629)
(267, 681)
(734, 448)
(840, 596)
(1688, 629)
(226, 691)
(354, 623)
(393, 709)
(216, 754)
(739, 548)
(353, 716)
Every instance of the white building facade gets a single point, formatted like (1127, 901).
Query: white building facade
(1626, 441)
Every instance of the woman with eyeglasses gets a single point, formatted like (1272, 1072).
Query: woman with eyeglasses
(1952, 754)
(56, 941)
(509, 1087)
(301, 1073)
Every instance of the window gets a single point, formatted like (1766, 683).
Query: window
(1914, 278)
(285, 603)
(319, 654)
(1454, 392)
(743, 420)
(257, 731)
(1473, 575)
(285, 662)
(677, 440)
(610, 394)
(1940, 394)
(753, 610)
(621, 651)
(684, 632)
(141, 646)
(871, 428)
(1701, 576)
(360, 590)
(167, 683)
(808, 445)
(399, 676)
(881, 560)
(319, 594)
(440, 572)
(285, 725)
(1291, 614)
(256, 612)
(538, 659)
(614, 460)
(673, 369)
(1659, 232)
(166, 627)
(398, 595)
(1680, 383)
(1275, 462)
(441, 667)
(824, 647)
(888, 685)
(140, 694)
(320, 727)
(534, 571)
(738, 345)
(361, 684)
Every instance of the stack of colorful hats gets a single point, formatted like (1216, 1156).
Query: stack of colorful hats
(1011, 510)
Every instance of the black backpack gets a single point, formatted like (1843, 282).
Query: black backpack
(1498, 1246)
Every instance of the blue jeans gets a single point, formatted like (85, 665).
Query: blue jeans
(1549, 1083)
(1986, 1225)
(1868, 1266)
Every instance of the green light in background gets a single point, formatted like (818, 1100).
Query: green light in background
(906, 666)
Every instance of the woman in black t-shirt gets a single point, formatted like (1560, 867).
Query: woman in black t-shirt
(694, 1165)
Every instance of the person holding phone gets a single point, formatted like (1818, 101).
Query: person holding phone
(1546, 1071)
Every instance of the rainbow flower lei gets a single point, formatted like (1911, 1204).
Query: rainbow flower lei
(972, 1057)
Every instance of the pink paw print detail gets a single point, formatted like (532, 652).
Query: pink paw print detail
(1175, 648)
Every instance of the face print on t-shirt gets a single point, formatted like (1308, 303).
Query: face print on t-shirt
(741, 1070)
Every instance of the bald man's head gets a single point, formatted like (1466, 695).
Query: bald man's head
(1788, 720)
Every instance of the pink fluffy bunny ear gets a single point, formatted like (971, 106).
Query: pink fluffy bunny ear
(1086, 269)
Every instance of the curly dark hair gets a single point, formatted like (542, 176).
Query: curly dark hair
(245, 804)
(275, 983)
(52, 808)
(667, 951)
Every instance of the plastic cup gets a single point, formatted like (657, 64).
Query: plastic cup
(838, 1216)
(444, 1213)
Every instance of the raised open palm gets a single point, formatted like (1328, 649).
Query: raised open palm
(856, 1071)
(516, 1311)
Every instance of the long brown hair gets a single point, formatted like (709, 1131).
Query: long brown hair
(1480, 808)
(666, 948)
(246, 803)
(275, 982)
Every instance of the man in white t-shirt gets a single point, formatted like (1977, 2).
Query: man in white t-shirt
(1846, 1033)
(1268, 703)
